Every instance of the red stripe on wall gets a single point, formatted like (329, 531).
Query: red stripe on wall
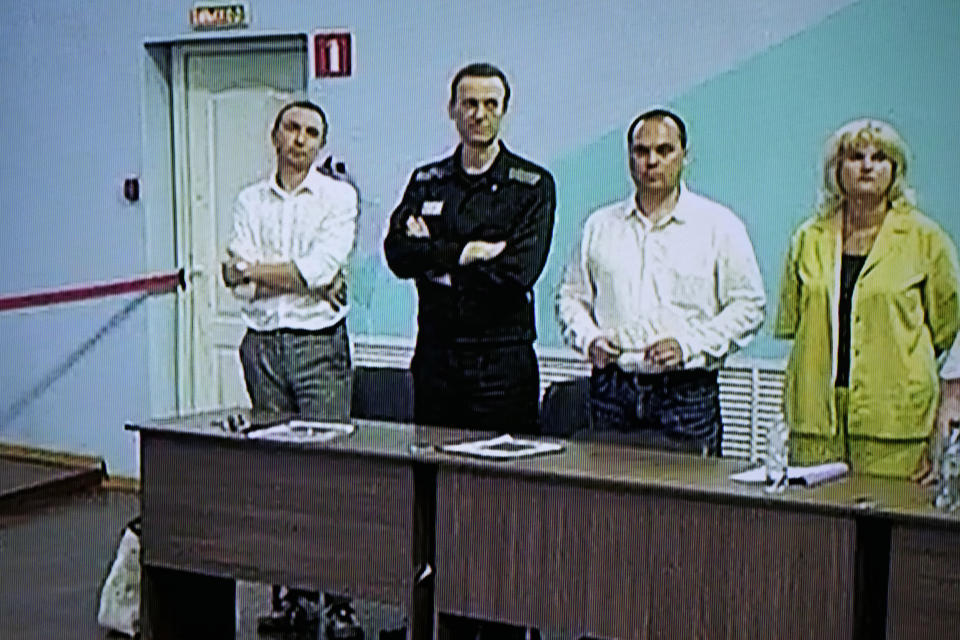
(157, 283)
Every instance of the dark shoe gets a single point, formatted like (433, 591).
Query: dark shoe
(341, 622)
(274, 622)
(293, 616)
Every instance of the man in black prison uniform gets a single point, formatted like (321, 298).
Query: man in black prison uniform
(474, 230)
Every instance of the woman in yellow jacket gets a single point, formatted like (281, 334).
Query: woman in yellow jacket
(870, 296)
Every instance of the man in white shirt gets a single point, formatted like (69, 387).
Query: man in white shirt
(664, 286)
(291, 237)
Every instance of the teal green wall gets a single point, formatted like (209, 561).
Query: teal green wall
(756, 132)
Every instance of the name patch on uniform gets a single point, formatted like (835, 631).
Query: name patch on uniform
(425, 175)
(524, 176)
(431, 207)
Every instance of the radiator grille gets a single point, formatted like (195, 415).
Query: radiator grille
(751, 390)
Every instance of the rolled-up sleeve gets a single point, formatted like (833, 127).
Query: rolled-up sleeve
(243, 242)
(243, 245)
(324, 251)
(575, 299)
(740, 298)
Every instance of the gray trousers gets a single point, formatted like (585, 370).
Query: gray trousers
(306, 373)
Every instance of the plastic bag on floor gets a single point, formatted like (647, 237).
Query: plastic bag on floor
(120, 597)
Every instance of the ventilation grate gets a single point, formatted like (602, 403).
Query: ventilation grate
(751, 390)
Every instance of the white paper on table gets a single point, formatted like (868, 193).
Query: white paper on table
(303, 431)
(504, 447)
(806, 476)
(632, 361)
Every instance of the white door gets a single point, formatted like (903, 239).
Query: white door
(223, 111)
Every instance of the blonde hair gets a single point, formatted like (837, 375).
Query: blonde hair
(854, 134)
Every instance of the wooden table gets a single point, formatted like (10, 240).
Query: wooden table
(923, 592)
(603, 540)
(350, 517)
(634, 544)
(624, 543)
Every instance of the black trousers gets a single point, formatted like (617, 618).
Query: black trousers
(488, 387)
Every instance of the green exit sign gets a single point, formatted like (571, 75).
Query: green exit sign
(219, 16)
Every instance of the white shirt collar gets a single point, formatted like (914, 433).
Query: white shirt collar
(679, 213)
(310, 183)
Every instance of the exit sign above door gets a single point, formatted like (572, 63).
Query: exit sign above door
(331, 54)
(219, 16)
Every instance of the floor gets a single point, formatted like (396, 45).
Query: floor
(53, 558)
(55, 554)
(23, 481)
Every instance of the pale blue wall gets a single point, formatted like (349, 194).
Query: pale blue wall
(72, 128)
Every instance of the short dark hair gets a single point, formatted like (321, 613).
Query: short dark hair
(480, 70)
(658, 113)
(303, 104)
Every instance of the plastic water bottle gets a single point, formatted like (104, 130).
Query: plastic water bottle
(777, 455)
(948, 488)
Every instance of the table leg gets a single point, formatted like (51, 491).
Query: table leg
(421, 603)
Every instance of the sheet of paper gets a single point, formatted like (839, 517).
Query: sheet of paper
(807, 476)
(504, 447)
(303, 431)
